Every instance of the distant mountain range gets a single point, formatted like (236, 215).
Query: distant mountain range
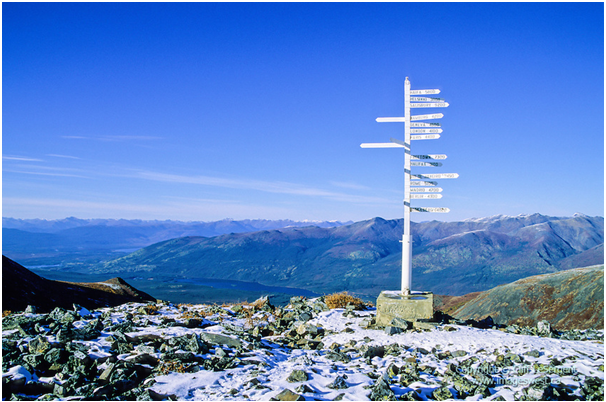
(47, 242)
(451, 258)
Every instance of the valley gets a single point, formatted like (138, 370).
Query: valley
(363, 258)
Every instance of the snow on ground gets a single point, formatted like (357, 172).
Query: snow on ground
(578, 357)
(364, 355)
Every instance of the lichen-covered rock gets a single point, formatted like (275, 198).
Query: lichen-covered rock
(442, 394)
(288, 395)
(381, 391)
(338, 383)
(297, 376)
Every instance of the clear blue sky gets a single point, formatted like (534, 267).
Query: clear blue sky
(204, 111)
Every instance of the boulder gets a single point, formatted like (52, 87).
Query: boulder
(288, 395)
(297, 376)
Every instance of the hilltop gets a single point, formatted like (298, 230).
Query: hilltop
(572, 299)
(21, 288)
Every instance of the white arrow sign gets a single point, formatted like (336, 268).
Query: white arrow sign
(425, 130)
(425, 137)
(427, 116)
(437, 104)
(391, 119)
(425, 190)
(381, 145)
(426, 164)
(428, 209)
(435, 176)
(425, 196)
(425, 125)
(423, 183)
(427, 156)
(421, 99)
(424, 91)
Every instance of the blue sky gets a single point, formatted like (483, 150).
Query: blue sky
(205, 111)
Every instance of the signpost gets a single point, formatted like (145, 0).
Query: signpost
(435, 104)
(425, 137)
(433, 157)
(425, 190)
(425, 125)
(430, 209)
(427, 164)
(419, 179)
(425, 130)
(425, 117)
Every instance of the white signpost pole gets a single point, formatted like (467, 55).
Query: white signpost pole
(406, 245)
(419, 179)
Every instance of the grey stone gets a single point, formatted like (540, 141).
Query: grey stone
(297, 376)
(305, 316)
(307, 329)
(34, 360)
(400, 323)
(593, 389)
(464, 387)
(288, 395)
(39, 345)
(30, 309)
(543, 328)
(442, 394)
(304, 389)
(218, 339)
(338, 383)
(372, 351)
(145, 349)
(533, 353)
(310, 344)
(392, 371)
(367, 322)
(338, 356)
(381, 391)
(459, 353)
(389, 330)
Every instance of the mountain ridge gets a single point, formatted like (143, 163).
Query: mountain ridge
(448, 257)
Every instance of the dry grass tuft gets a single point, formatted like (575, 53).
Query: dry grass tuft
(341, 300)
(174, 366)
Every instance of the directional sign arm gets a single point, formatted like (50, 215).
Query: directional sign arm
(429, 209)
(435, 176)
(425, 137)
(425, 196)
(427, 116)
(381, 145)
(424, 99)
(425, 130)
(425, 190)
(424, 91)
(426, 164)
(425, 125)
(430, 157)
(390, 119)
(433, 104)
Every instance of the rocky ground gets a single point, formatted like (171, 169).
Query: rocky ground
(304, 351)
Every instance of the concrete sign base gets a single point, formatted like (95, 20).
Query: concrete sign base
(392, 304)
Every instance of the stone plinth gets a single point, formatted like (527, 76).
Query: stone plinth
(391, 304)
